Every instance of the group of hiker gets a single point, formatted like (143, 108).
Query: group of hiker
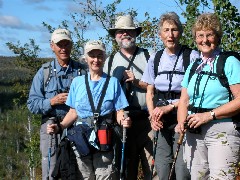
(133, 106)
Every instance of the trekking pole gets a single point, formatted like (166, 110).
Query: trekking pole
(179, 143)
(49, 150)
(123, 148)
(154, 151)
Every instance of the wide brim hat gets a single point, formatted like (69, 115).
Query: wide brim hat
(126, 23)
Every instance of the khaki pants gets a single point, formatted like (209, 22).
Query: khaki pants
(213, 153)
(97, 166)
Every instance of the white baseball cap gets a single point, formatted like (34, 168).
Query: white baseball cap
(94, 44)
(61, 34)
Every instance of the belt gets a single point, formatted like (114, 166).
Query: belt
(45, 118)
(168, 95)
(198, 110)
(90, 120)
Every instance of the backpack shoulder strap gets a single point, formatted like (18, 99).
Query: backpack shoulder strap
(193, 69)
(157, 61)
(110, 61)
(146, 54)
(186, 56)
(47, 69)
(221, 64)
(81, 68)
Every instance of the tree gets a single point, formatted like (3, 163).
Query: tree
(27, 55)
(228, 15)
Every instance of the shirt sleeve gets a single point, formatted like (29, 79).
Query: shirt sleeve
(37, 103)
(148, 74)
(232, 71)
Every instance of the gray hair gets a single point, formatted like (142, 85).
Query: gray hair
(171, 17)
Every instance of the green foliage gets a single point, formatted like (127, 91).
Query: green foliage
(20, 145)
(14, 140)
(228, 15)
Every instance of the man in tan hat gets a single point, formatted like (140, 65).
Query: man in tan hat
(128, 65)
(49, 92)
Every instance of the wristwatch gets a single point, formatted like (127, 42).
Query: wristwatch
(173, 106)
(213, 115)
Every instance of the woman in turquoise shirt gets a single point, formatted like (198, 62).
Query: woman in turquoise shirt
(212, 142)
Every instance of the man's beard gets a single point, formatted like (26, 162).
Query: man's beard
(126, 44)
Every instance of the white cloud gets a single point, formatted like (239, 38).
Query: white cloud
(10, 21)
(14, 23)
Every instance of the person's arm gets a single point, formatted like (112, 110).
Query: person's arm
(231, 108)
(140, 84)
(182, 111)
(37, 103)
(224, 111)
(68, 120)
(149, 98)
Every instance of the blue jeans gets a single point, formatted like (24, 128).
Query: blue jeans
(166, 148)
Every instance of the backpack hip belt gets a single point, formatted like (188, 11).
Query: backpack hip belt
(168, 94)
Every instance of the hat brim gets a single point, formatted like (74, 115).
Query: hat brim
(112, 31)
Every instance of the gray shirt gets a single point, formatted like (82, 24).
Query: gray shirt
(119, 65)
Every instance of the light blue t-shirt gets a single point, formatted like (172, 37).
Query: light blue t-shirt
(114, 98)
(214, 94)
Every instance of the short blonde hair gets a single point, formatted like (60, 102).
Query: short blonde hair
(208, 21)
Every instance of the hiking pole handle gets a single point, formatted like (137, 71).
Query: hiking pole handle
(125, 129)
(180, 139)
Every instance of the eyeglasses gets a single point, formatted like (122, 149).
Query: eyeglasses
(209, 36)
(64, 44)
(125, 31)
(100, 57)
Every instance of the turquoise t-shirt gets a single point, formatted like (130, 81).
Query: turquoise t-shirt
(114, 98)
(211, 91)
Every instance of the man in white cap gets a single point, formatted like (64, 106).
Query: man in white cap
(128, 65)
(49, 92)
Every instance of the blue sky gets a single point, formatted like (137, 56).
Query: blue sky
(21, 20)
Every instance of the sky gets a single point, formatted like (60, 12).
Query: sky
(21, 20)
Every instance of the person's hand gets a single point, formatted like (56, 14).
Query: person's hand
(156, 125)
(180, 128)
(128, 76)
(126, 122)
(158, 112)
(196, 120)
(59, 99)
(52, 128)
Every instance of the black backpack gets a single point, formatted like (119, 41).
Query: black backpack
(66, 166)
(220, 74)
(186, 60)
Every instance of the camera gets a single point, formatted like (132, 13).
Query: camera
(66, 90)
(162, 102)
(192, 130)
